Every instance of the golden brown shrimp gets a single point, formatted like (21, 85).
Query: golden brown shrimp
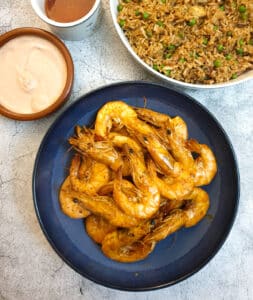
(172, 188)
(159, 153)
(101, 151)
(106, 207)
(145, 198)
(176, 124)
(116, 111)
(119, 141)
(106, 189)
(170, 224)
(124, 114)
(129, 245)
(69, 205)
(85, 165)
(180, 127)
(168, 205)
(136, 251)
(97, 175)
(181, 153)
(97, 228)
(196, 207)
(205, 163)
(125, 245)
(189, 215)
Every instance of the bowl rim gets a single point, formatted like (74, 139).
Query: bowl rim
(52, 22)
(160, 75)
(31, 31)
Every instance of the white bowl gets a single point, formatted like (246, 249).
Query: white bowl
(242, 78)
(73, 31)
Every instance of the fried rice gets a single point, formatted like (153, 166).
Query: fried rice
(195, 41)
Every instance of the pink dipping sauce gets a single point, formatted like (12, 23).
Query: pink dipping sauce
(33, 74)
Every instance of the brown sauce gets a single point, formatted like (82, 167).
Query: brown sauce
(65, 11)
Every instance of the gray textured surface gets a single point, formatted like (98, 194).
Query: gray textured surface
(29, 268)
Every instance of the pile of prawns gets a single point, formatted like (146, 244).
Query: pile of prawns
(135, 180)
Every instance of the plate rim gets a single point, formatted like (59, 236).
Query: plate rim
(225, 235)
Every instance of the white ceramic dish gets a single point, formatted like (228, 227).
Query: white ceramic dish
(242, 78)
(72, 31)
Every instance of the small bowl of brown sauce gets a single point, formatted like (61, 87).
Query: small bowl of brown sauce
(36, 73)
(70, 19)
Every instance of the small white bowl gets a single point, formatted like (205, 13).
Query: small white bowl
(73, 31)
(242, 78)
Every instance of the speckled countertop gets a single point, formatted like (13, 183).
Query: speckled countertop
(29, 268)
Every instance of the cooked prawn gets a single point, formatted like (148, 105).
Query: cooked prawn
(170, 224)
(69, 205)
(124, 114)
(119, 141)
(136, 251)
(159, 153)
(145, 198)
(181, 153)
(97, 175)
(106, 207)
(189, 215)
(169, 187)
(205, 163)
(124, 244)
(164, 121)
(114, 111)
(196, 207)
(97, 228)
(101, 151)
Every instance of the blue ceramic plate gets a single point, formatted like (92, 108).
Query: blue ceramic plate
(174, 258)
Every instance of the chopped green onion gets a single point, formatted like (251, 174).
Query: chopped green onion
(160, 23)
(222, 7)
(171, 47)
(242, 9)
(149, 33)
(163, 1)
(168, 72)
(228, 57)
(119, 7)
(145, 15)
(137, 12)
(220, 48)
(234, 76)
(215, 27)
(122, 23)
(205, 41)
(244, 16)
(251, 41)
(217, 63)
(182, 60)
(192, 22)
(155, 67)
(241, 42)
(168, 55)
(229, 33)
(181, 35)
(239, 51)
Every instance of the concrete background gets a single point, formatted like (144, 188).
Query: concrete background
(29, 268)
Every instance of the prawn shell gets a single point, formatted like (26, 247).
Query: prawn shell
(126, 253)
(95, 176)
(69, 205)
(97, 228)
